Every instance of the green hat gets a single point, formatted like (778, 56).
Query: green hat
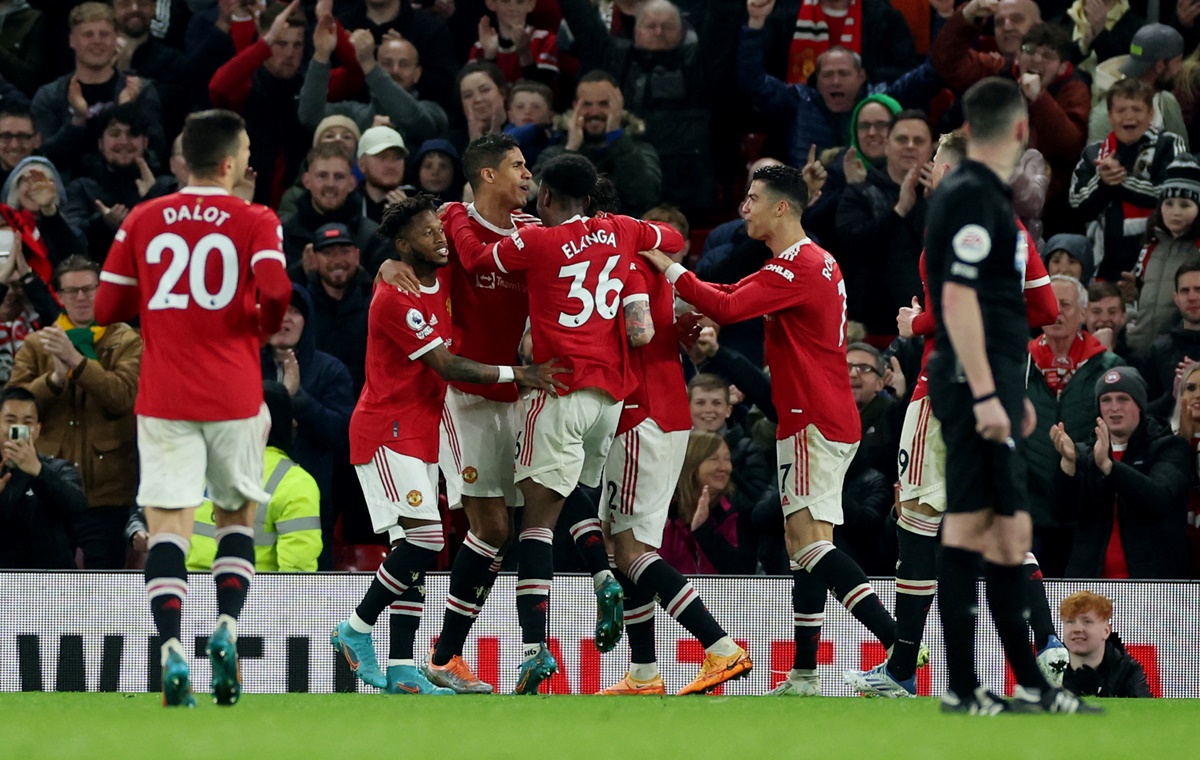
(888, 102)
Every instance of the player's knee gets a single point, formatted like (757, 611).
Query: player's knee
(493, 530)
(919, 519)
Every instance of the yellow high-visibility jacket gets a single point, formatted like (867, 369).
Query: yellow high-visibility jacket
(287, 531)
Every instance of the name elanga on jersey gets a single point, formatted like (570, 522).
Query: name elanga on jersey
(197, 213)
(575, 247)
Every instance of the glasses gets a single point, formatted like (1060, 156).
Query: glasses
(86, 290)
(16, 136)
(874, 126)
(863, 369)
(1033, 51)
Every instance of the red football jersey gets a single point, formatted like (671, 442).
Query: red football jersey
(578, 271)
(1041, 306)
(490, 308)
(661, 392)
(803, 297)
(199, 259)
(401, 402)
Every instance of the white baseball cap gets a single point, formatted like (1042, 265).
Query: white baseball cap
(378, 139)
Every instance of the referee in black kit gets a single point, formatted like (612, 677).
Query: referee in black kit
(977, 388)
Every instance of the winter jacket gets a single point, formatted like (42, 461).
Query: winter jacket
(802, 110)
(628, 160)
(287, 531)
(416, 119)
(1150, 488)
(59, 236)
(729, 255)
(22, 46)
(322, 407)
(1119, 675)
(90, 421)
(1080, 250)
(110, 185)
(1075, 407)
(879, 250)
(667, 89)
(34, 515)
(1158, 366)
(1117, 235)
(300, 229)
(1155, 270)
(340, 327)
(725, 544)
(64, 143)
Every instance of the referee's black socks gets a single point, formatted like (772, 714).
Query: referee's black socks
(958, 605)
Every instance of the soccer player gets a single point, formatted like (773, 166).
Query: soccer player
(802, 295)
(922, 467)
(578, 266)
(192, 265)
(394, 442)
(480, 424)
(976, 389)
(640, 476)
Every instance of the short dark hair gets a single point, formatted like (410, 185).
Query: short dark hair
(912, 114)
(327, 150)
(1052, 36)
(876, 355)
(570, 175)
(21, 393)
(398, 216)
(785, 182)
(529, 85)
(605, 196)
(598, 75)
(74, 263)
(486, 153)
(129, 114)
(480, 67)
(991, 107)
(16, 110)
(1133, 89)
(209, 137)
(707, 381)
(272, 11)
(1098, 291)
(1187, 268)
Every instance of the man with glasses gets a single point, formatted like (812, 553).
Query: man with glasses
(19, 138)
(86, 377)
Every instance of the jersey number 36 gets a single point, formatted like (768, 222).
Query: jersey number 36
(193, 262)
(598, 302)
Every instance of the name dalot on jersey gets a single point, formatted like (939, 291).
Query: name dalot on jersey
(196, 213)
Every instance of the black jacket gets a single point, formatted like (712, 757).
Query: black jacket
(1150, 486)
(1158, 366)
(34, 515)
(300, 229)
(340, 327)
(1119, 675)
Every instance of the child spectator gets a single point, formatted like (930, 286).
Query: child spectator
(438, 170)
(520, 50)
(530, 110)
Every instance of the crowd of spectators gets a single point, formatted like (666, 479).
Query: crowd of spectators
(351, 104)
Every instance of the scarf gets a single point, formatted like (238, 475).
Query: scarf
(24, 223)
(1079, 18)
(812, 37)
(1058, 371)
(1109, 148)
(82, 338)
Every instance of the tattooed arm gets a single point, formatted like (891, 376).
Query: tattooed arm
(639, 326)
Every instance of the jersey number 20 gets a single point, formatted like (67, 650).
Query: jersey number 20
(598, 302)
(193, 262)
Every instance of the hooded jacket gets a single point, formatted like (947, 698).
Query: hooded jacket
(1119, 675)
(1155, 270)
(1149, 487)
(1080, 249)
(60, 238)
(321, 408)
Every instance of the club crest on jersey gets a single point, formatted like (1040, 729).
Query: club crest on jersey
(972, 243)
(414, 498)
(470, 474)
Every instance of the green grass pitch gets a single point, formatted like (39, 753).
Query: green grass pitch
(301, 726)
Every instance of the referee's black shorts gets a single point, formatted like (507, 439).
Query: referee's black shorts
(980, 474)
